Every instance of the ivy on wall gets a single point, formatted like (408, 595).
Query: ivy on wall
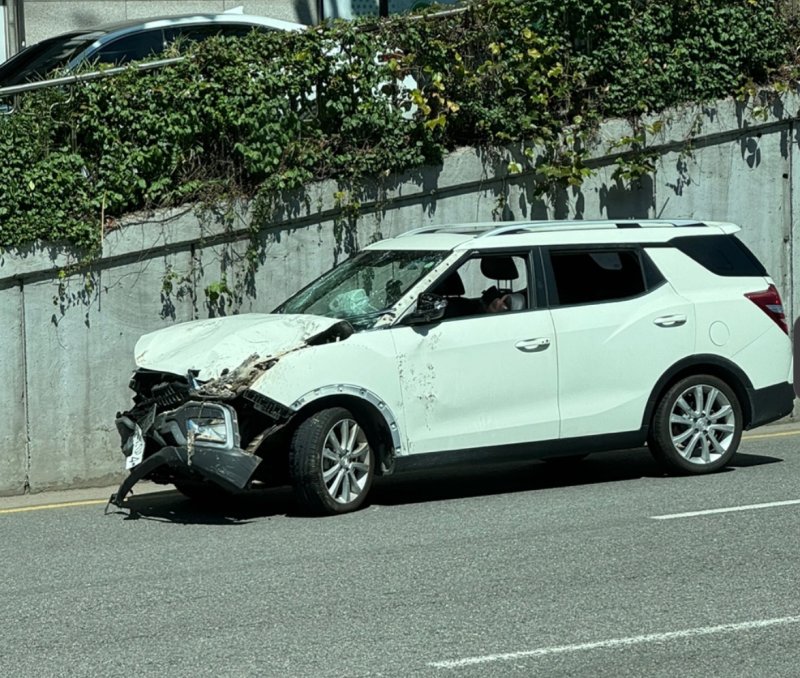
(253, 117)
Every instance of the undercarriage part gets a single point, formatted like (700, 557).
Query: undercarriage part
(230, 469)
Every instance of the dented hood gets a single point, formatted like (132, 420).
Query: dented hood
(211, 346)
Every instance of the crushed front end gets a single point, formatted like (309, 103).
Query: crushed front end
(182, 431)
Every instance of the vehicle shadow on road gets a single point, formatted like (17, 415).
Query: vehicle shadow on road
(171, 506)
(420, 486)
(535, 475)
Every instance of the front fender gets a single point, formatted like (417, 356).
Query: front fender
(360, 393)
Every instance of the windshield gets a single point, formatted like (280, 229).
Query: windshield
(36, 61)
(364, 287)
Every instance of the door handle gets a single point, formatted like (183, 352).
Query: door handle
(533, 345)
(670, 320)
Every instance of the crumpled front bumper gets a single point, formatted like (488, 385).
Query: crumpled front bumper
(220, 461)
(230, 469)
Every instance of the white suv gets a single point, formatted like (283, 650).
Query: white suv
(466, 343)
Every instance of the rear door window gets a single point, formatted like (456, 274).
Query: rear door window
(589, 275)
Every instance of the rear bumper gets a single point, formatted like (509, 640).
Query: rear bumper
(230, 469)
(770, 403)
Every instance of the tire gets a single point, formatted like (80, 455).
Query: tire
(696, 426)
(331, 462)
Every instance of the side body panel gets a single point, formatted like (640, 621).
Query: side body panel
(485, 380)
(728, 324)
(365, 360)
(611, 354)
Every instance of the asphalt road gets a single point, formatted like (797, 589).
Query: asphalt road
(525, 570)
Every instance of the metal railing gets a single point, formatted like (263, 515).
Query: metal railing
(14, 90)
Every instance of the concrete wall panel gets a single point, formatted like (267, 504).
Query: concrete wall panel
(13, 434)
(81, 331)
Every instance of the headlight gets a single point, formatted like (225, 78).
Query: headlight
(208, 429)
(200, 423)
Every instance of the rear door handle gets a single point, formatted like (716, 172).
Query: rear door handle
(670, 320)
(533, 345)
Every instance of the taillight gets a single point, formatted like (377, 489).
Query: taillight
(770, 302)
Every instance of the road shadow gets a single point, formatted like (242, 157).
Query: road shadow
(171, 506)
(420, 487)
(452, 483)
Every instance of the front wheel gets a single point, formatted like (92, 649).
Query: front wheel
(697, 425)
(331, 462)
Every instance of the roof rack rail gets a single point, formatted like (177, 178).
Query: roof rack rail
(579, 225)
(477, 228)
(494, 228)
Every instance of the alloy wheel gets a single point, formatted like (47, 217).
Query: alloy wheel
(702, 424)
(345, 461)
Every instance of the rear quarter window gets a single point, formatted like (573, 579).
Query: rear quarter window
(723, 255)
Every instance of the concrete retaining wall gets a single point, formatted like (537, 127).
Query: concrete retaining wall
(68, 337)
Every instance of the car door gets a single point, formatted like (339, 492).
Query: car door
(477, 379)
(620, 326)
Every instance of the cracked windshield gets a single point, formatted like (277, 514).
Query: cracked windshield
(364, 287)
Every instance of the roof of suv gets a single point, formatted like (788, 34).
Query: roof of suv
(501, 234)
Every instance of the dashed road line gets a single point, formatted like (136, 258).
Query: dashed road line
(729, 509)
(617, 642)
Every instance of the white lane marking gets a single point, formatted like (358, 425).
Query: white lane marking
(730, 509)
(617, 642)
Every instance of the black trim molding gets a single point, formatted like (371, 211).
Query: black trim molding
(770, 403)
(497, 454)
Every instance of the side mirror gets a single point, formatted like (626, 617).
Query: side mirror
(430, 308)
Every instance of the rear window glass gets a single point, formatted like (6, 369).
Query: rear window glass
(723, 255)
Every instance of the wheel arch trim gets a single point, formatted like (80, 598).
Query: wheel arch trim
(360, 393)
(714, 365)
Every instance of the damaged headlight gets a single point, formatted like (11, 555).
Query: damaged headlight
(208, 429)
(199, 423)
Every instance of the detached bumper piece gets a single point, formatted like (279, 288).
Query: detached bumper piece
(230, 469)
(197, 439)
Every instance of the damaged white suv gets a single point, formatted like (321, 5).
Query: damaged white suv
(467, 343)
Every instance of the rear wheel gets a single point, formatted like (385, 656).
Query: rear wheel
(331, 462)
(697, 425)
